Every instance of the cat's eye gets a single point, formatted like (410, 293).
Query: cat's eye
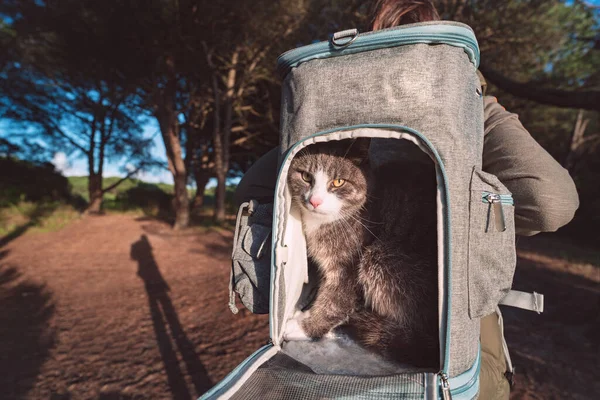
(306, 177)
(337, 182)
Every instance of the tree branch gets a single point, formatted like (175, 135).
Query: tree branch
(117, 183)
(585, 99)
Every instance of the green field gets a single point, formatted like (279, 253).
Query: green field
(79, 186)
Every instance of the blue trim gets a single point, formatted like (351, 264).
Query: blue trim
(439, 33)
(466, 385)
(504, 198)
(461, 383)
(225, 383)
(446, 213)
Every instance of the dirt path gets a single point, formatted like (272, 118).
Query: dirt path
(118, 308)
(111, 307)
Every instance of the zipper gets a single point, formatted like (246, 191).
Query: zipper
(461, 389)
(445, 384)
(450, 34)
(273, 304)
(495, 202)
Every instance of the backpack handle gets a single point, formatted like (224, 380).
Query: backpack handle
(348, 33)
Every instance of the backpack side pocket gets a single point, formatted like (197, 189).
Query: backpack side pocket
(492, 253)
(251, 257)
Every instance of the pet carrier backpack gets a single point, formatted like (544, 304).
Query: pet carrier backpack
(417, 85)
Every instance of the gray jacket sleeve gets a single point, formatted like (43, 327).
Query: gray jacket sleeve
(544, 193)
(258, 182)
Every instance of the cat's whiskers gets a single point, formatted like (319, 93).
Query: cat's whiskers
(365, 226)
(355, 238)
(369, 221)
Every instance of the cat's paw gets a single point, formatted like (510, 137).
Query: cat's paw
(314, 328)
(293, 327)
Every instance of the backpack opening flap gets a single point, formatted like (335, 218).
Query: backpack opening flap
(290, 268)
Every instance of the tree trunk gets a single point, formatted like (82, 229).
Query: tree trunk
(220, 195)
(182, 203)
(95, 193)
(169, 128)
(577, 141)
(94, 177)
(201, 177)
(219, 214)
(222, 137)
(177, 168)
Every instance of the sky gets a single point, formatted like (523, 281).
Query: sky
(75, 165)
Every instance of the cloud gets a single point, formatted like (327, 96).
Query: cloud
(60, 161)
(160, 176)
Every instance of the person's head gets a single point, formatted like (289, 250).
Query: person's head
(390, 13)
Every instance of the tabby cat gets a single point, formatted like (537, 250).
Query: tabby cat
(329, 185)
(372, 234)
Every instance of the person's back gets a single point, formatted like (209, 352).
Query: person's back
(544, 194)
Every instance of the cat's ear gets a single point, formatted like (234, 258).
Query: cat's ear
(358, 151)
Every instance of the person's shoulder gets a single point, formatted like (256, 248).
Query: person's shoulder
(495, 115)
(492, 102)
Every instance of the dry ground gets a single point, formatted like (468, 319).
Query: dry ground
(115, 307)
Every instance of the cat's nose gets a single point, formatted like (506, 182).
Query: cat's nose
(316, 201)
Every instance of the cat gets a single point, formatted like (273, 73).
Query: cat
(398, 272)
(329, 184)
(372, 234)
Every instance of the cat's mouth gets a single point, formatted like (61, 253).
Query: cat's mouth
(318, 211)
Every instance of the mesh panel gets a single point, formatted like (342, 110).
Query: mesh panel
(284, 378)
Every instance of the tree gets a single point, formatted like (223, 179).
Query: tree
(543, 51)
(579, 142)
(241, 62)
(67, 102)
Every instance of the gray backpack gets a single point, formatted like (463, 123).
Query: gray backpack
(418, 85)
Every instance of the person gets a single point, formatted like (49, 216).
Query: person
(544, 193)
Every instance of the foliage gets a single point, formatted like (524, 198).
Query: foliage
(149, 198)
(210, 198)
(78, 186)
(57, 91)
(205, 71)
(31, 182)
(34, 195)
(41, 216)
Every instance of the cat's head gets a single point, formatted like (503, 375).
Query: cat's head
(328, 181)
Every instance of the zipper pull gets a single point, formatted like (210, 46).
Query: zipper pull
(445, 386)
(495, 202)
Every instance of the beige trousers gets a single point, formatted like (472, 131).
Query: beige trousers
(493, 383)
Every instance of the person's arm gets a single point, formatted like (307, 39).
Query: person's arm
(259, 181)
(544, 193)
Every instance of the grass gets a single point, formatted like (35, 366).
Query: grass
(79, 186)
(132, 196)
(24, 216)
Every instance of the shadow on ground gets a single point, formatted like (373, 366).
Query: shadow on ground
(25, 335)
(168, 329)
(40, 211)
(555, 352)
(568, 250)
